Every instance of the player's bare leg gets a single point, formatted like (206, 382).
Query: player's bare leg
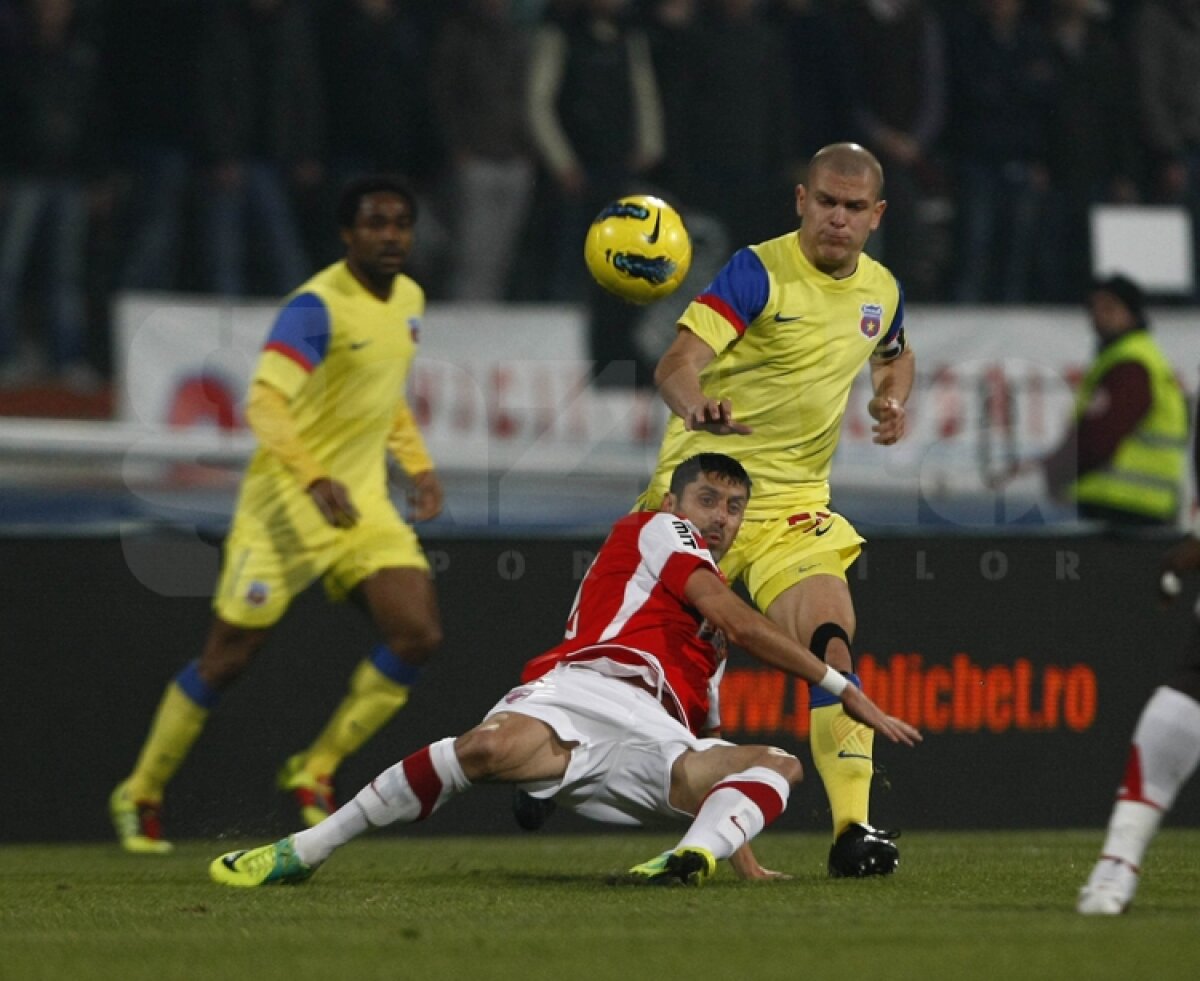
(403, 605)
(819, 612)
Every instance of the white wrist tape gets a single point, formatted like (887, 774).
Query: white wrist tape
(834, 682)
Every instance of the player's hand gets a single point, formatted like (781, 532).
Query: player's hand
(714, 416)
(891, 420)
(425, 496)
(1180, 560)
(746, 866)
(862, 709)
(333, 501)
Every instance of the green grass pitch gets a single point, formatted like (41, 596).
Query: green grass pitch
(963, 906)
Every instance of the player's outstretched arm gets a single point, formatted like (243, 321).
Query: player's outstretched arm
(678, 378)
(752, 631)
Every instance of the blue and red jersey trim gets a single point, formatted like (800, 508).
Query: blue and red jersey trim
(301, 331)
(740, 291)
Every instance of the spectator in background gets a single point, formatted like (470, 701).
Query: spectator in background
(819, 75)
(374, 71)
(480, 69)
(375, 66)
(10, 24)
(53, 142)
(528, 12)
(1166, 38)
(745, 158)
(671, 26)
(1092, 148)
(1001, 78)
(261, 130)
(1123, 459)
(596, 122)
(151, 54)
(900, 107)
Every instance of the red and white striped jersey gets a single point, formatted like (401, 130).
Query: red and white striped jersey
(631, 619)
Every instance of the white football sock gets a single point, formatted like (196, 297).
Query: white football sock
(1163, 755)
(737, 809)
(1167, 744)
(1131, 828)
(409, 791)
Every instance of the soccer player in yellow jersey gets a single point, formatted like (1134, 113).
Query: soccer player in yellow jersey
(761, 369)
(326, 404)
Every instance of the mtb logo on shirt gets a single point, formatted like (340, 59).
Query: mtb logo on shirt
(872, 319)
(685, 534)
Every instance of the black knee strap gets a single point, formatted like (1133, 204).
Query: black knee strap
(824, 634)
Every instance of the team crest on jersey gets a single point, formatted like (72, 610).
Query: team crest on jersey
(257, 593)
(414, 329)
(872, 319)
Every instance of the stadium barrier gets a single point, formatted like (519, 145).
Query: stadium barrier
(1024, 659)
(506, 388)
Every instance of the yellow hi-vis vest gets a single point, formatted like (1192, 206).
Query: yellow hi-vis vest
(1145, 475)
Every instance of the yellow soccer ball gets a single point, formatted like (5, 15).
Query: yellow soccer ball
(638, 248)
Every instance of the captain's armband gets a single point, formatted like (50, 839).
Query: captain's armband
(890, 348)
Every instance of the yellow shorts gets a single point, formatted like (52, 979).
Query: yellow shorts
(773, 554)
(262, 574)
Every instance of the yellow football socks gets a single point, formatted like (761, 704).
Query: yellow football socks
(373, 699)
(842, 752)
(177, 723)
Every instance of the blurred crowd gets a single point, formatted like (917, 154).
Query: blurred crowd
(198, 145)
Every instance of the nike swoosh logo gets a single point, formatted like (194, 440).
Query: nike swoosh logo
(357, 345)
(653, 236)
(781, 319)
(230, 861)
(820, 530)
(843, 755)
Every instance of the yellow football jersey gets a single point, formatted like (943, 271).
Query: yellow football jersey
(790, 341)
(342, 357)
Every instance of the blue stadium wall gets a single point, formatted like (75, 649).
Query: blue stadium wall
(1026, 661)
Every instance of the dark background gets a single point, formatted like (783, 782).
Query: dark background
(92, 628)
